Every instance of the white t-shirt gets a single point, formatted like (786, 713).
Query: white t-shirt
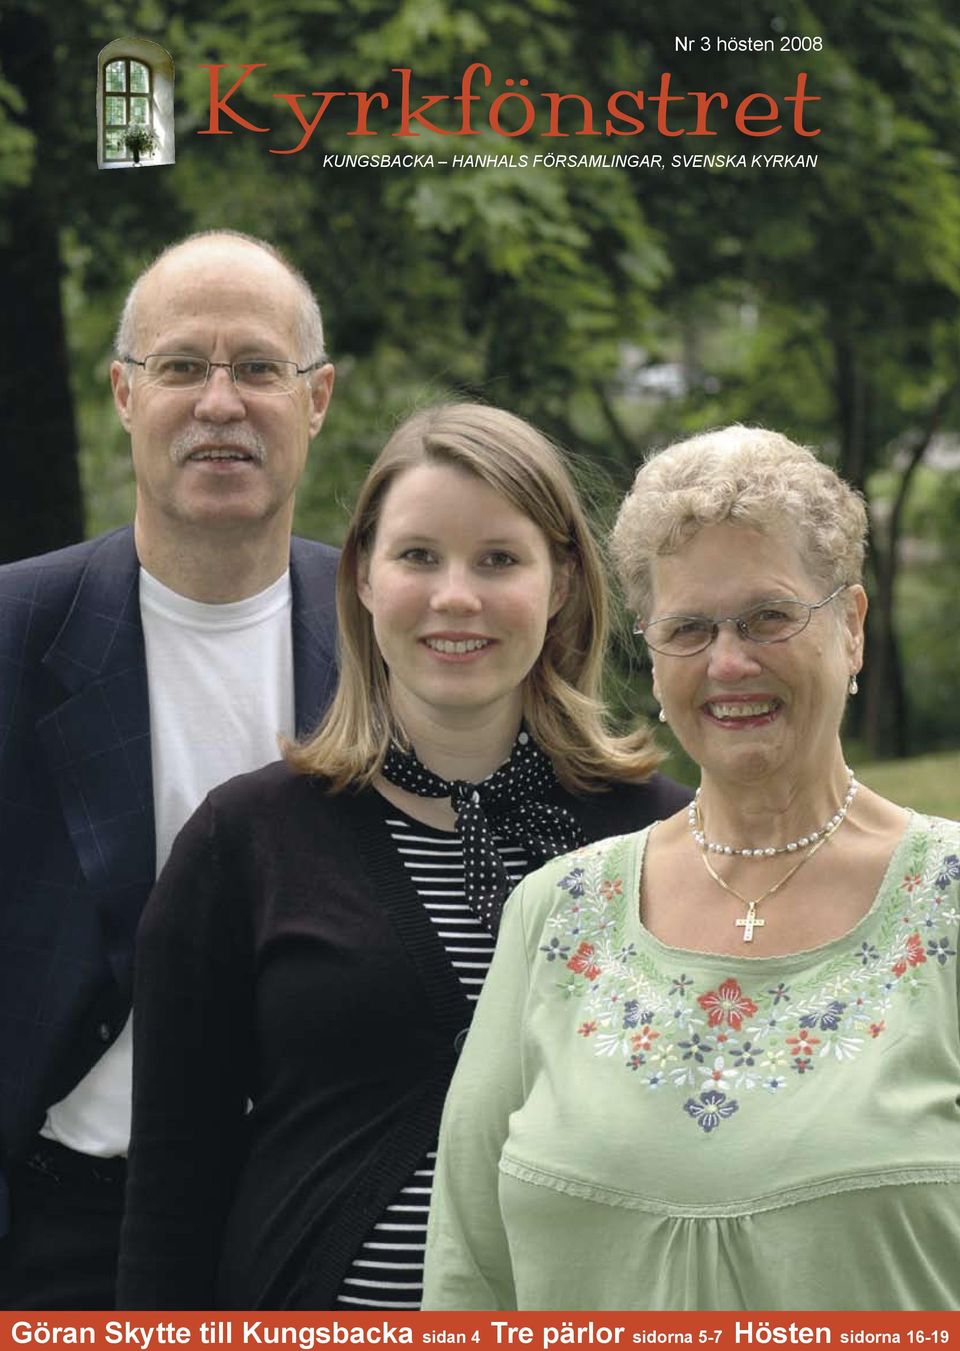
(220, 682)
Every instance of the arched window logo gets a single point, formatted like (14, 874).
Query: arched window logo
(134, 105)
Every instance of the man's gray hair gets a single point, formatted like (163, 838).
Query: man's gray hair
(309, 321)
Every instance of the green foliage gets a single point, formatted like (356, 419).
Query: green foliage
(17, 142)
(822, 301)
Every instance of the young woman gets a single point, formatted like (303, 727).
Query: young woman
(309, 960)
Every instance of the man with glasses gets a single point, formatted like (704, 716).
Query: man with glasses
(137, 671)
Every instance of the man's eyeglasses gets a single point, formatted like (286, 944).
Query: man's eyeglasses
(773, 621)
(253, 375)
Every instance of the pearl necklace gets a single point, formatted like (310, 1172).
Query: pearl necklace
(695, 822)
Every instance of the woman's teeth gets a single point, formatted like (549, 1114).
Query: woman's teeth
(741, 710)
(458, 646)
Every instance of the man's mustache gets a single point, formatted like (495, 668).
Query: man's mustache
(212, 436)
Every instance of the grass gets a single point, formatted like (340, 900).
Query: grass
(928, 783)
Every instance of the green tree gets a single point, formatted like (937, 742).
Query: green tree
(822, 301)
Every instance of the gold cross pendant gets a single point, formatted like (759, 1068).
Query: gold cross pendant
(751, 922)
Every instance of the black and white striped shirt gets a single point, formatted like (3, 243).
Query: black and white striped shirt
(387, 1272)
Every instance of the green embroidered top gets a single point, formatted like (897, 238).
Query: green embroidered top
(635, 1126)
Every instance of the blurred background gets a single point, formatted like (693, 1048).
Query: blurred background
(617, 309)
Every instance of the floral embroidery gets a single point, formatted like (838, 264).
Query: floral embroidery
(716, 1046)
(710, 1108)
(696, 1048)
(803, 1043)
(951, 871)
(828, 1020)
(581, 963)
(572, 882)
(631, 1013)
(727, 1002)
(913, 956)
(942, 950)
(717, 1073)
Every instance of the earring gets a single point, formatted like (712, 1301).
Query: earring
(662, 716)
(853, 687)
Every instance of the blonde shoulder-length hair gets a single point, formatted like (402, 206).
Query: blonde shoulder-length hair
(561, 695)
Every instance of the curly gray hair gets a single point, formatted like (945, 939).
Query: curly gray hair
(749, 476)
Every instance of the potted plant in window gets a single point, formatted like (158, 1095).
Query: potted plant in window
(141, 140)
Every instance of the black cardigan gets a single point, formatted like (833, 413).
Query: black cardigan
(297, 1023)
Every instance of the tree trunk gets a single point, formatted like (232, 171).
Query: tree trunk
(886, 728)
(41, 506)
(852, 399)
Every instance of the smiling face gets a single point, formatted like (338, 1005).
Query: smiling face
(216, 457)
(460, 585)
(745, 711)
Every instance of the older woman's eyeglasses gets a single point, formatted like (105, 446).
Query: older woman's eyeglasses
(773, 621)
(255, 375)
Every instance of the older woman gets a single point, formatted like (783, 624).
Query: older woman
(309, 960)
(717, 1062)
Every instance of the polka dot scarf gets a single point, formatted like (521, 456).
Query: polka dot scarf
(510, 803)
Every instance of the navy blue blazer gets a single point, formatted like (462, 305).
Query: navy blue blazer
(77, 846)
